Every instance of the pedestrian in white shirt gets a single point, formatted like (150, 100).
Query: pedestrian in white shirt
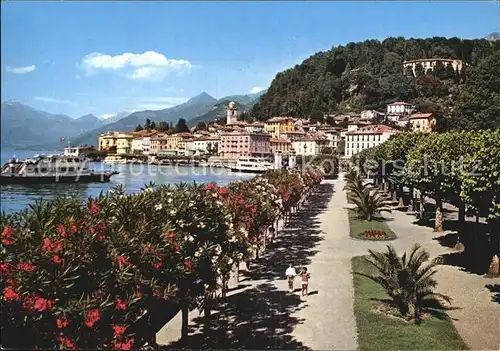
(290, 274)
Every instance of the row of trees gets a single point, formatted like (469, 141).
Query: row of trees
(76, 276)
(164, 127)
(460, 168)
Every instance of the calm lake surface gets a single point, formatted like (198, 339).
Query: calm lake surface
(132, 177)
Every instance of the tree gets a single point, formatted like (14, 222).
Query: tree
(147, 125)
(367, 202)
(201, 126)
(419, 70)
(408, 280)
(162, 126)
(153, 125)
(478, 103)
(409, 72)
(181, 126)
(327, 150)
(138, 128)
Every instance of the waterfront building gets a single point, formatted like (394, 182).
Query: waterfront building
(309, 145)
(78, 150)
(232, 113)
(280, 145)
(277, 125)
(124, 143)
(206, 145)
(422, 122)
(244, 144)
(158, 144)
(399, 107)
(107, 141)
(367, 137)
(137, 145)
(430, 64)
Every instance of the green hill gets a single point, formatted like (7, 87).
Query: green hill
(368, 75)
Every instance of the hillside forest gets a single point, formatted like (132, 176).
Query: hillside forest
(369, 75)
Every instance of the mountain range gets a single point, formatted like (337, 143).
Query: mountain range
(24, 127)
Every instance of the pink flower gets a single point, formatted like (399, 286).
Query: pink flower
(73, 228)
(124, 345)
(170, 235)
(49, 246)
(57, 259)
(189, 264)
(42, 304)
(94, 208)
(61, 230)
(92, 317)
(10, 295)
(62, 323)
(66, 343)
(210, 186)
(157, 265)
(222, 190)
(120, 304)
(121, 261)
(7, 235)
(177, 248)
(119, 330)
(27, 267)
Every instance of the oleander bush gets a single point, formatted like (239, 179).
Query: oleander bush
(374, 234)
(76, 276)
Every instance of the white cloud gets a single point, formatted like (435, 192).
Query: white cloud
(256, 89)
(55, 101)
(20, 70)
(148, 65)
(108, 115)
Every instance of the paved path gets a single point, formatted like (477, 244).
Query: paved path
(262, 314)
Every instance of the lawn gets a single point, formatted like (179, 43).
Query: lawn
(358, 226)
(378, 332)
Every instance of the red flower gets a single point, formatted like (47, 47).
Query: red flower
(66, 343)
(121, 261)
(101, 226)
(189, 264)
(210, 186)
(177, 248)
(222, 191)
(254, 209)
(49, 246)
(61, 230)
(5, 268)
(42, 304)
(119, 330)
(170, 235)
(92, 317)
(62, 323)
(7, 235)
(94, 208)
(27, 267)
(92, 230)
(120, 304)
(12, 282)
(157, 265)
(124, 345)
(10, 295)
(73, 229)
(57, 259)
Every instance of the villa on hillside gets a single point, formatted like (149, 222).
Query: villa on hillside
(423, 122)
(430, 64)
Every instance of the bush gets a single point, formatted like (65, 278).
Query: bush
(374, 234)
(78, 276)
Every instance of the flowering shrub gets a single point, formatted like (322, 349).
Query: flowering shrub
(76, 276)
(374, 234)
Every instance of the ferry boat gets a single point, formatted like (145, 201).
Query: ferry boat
(251, 165)
(115, 159)
(42, 169)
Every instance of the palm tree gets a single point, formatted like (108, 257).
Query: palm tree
(408, 280)
(367, 202)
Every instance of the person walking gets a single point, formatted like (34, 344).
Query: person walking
(305, 280)
(290, 274)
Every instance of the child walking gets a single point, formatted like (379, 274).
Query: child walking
(305, 280)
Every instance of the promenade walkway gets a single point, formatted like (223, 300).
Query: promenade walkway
(261, 313)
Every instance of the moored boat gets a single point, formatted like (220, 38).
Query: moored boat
(43, 169)
(251, 165)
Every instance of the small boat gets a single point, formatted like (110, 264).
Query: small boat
(115, 159)
(251, 165)
(43, 169)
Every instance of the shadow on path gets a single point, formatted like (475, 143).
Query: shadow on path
(295, 243)
(258, 318)
(495, 290)
(262, 317)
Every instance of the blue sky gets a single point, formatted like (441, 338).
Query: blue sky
(104, 57)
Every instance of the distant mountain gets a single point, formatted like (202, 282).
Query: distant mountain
(219, 111)
(493, 36)
(24, 127)
(115, 118)
(247, 100)
(196, 106)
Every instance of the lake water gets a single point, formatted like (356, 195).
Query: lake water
(132, 177)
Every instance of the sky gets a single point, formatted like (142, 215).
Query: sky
(102, 58)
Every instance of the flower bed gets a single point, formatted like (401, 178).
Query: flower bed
(374, 234)
(78, 276)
